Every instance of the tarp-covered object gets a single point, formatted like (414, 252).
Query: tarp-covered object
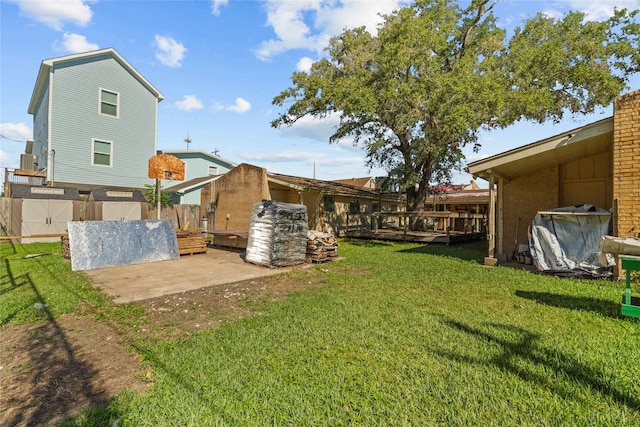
(277, 234)
(566, 241)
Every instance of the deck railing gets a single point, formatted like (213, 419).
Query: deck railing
(437, 221)
(19, 176)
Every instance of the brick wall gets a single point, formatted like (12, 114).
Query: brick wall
(524, 196)
(235, 194)
(626, 165)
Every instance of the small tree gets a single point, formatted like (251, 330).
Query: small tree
(435, 75)
(151, 194)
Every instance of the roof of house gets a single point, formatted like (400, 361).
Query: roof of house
(329, 187)
(203, 153)
(588, 140)
(25, 191)
(357, 182)
(104, 195)
(191, 184)
(466, 197)
(47, 64)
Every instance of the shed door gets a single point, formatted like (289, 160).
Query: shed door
(121, 211)
(45, 217)
(131, 211)
(35, 218)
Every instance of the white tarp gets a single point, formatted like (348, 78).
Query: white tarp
(567, 241)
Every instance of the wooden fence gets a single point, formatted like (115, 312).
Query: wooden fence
(184, 217)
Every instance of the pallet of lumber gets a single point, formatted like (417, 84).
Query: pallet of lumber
(321, 247)
(190, 243)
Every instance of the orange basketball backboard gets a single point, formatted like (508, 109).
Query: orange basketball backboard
(166, 166)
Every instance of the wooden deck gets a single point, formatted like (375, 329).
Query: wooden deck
(444, 227)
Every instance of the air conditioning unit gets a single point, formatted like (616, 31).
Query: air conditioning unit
(28, 162)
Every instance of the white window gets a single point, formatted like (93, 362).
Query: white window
(109, 105)
(213, 170)
(102, 153)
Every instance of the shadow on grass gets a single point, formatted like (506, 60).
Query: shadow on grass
(525, 350)
(603, 307)
(62, 380)
(466, 251)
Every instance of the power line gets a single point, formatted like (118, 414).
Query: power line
(104, 173)
(11, 139)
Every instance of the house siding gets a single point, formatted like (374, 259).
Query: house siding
(41, 129)
(626, 165)
(76, 122)
(587, 181)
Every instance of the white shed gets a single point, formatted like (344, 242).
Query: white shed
(108, 205)
(42, 211)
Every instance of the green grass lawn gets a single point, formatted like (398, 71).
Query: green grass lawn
(401, 334)
(37, 274)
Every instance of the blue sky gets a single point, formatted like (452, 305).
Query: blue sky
(220, 63)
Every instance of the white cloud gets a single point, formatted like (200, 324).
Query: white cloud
(5, 159)
(342, 161)
(593, 10)
(310, 163)
(75, 43)
(15, 131)
(241, 106)
(310, 24)
(304, 64)
(601, 9)
(283, 157)
(216, 5)
(312, 128)
(553, 14)
(55, 13)
(170, 52)
(14, 136)
(188, 103)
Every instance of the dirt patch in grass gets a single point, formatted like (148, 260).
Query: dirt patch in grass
(58, 368)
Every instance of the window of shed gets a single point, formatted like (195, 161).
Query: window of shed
(329, 204)
(354, 206)
(109, 103)
(102, 153)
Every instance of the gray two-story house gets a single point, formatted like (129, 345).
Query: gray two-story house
(94, 121)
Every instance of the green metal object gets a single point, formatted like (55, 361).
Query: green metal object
(630, 305)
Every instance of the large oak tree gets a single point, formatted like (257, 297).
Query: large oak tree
(418, 92)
